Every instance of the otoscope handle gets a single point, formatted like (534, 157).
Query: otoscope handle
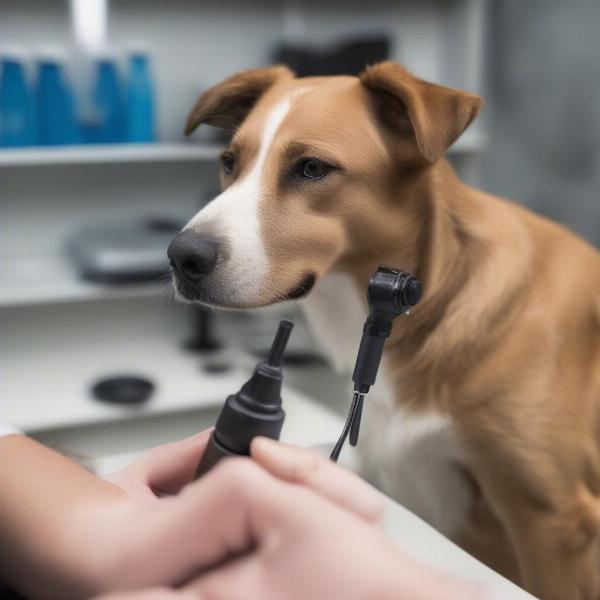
(375, 332)
(212, 455)
(241, 420)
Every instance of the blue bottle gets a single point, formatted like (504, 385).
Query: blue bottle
(140, 100)
(108, 104)
(55, 104)
(16, 106)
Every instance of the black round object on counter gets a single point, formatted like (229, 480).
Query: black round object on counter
(126, 390)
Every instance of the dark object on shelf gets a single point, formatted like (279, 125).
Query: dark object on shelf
(255, 410)
(121, 253)
(203, 338)
(348, 57)
(164, 225)
(295, 357)
(299, 352)
(217, 366)
(125, 390)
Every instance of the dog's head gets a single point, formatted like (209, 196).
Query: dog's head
(313, 177)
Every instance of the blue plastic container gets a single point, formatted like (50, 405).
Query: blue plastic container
(140, 100)
(55, 105)
(108, 104)
(16, 107)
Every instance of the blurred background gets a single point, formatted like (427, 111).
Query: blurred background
(95, 178)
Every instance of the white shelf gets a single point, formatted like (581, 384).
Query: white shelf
(59, 395)
(106, 154)
(50, 279)
(140, 153)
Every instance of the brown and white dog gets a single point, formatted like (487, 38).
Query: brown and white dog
(486, 419)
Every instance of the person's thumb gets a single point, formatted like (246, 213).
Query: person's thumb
(167, 469)
(321, 475)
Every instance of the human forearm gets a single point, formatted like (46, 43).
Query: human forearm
(41, 493)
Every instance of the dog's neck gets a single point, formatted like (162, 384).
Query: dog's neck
(430, 234)
(446, 243)
(421, 240)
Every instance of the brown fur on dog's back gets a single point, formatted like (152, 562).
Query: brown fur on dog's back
(507, 342)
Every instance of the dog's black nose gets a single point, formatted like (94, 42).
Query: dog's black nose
(192, 256)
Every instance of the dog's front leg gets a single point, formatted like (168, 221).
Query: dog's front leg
(551, 519)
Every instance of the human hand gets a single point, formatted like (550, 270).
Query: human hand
(301, 527)
(68, 533)
(152, 532)
(304, 544)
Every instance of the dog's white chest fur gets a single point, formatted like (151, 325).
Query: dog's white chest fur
(414, 457)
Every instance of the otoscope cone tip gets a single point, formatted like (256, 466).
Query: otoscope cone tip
(279, 343)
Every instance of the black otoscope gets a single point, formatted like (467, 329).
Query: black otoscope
(256, 409)
(391, 292)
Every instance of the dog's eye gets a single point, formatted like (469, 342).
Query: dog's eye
(228, 162)
(311, 168)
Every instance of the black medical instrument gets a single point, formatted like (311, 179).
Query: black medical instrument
(257, 409)
(391, 292)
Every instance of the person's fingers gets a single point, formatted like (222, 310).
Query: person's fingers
(321, 475)
(234, 509)
(169, 468)
(225, 513)
(239, 579)
(221, 515)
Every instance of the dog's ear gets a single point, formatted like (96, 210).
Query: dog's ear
(228, 103)
(434, 114)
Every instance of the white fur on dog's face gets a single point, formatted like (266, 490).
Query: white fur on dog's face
(234, 217)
